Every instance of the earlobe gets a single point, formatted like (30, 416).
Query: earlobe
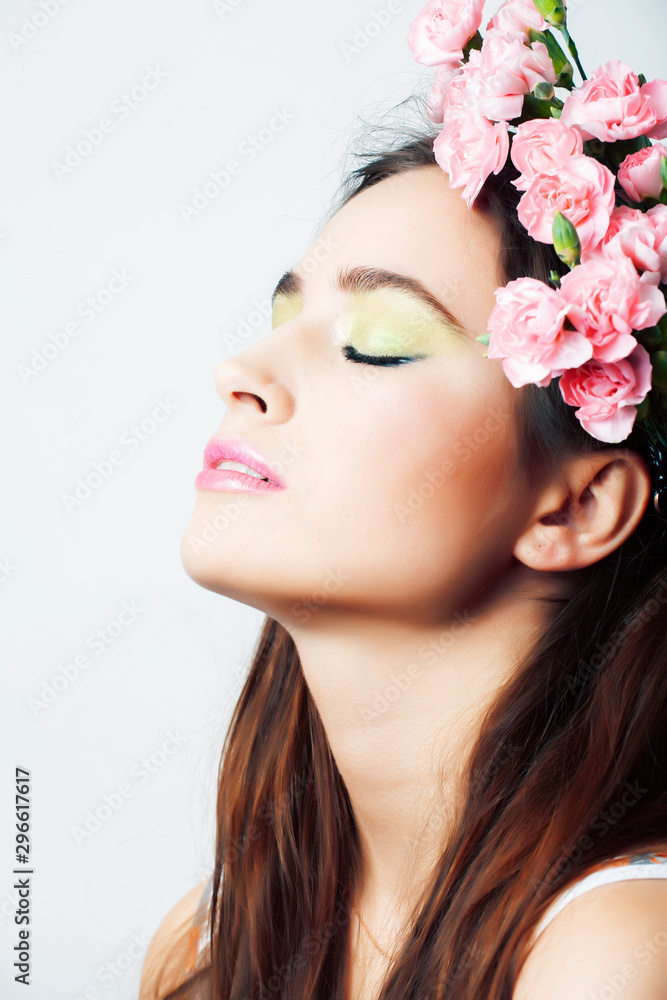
(596, 502)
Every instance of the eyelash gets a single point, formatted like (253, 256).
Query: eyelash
(376, 359)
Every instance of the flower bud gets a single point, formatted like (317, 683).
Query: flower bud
(553, 11)
(566, 241)
(663, 172)
(659, 373)
(543, 90)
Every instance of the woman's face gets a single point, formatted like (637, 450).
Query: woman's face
(402, 496)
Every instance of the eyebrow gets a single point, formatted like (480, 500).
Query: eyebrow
(368, 279)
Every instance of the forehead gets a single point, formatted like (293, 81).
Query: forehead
(413, 223)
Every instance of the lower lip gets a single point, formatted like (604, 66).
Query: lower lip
(230, 479)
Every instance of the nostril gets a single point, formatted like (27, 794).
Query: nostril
(251, 395)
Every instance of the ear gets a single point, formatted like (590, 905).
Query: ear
(588, 510)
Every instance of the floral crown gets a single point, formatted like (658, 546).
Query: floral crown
(593, 185)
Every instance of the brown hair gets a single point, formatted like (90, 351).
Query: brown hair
(583, 717)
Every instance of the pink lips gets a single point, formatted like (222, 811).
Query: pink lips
(235, 449)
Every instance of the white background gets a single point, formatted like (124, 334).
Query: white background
(178, 665)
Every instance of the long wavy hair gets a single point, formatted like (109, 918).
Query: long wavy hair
(583, 719)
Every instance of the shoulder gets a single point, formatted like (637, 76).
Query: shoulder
(169, 953)
(612, 938)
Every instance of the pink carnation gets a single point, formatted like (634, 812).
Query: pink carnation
(439, 92)
(608, 300)
(509, 70)
(527, 330)
(582, 189)
(515, 17)
(543, 145)
(607, 394)
(639, 173)
(634, 235)
(612, 105)
(658, 217)
(468, 149)
(442, 29)
(460, 94)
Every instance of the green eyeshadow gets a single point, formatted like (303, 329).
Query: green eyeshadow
(384, 321)
(285, 308)
(390, 322)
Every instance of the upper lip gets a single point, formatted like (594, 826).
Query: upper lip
(235, 449)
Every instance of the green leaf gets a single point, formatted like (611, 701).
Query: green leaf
(475, 42)
(484, 339)
(651, 337)
(556, 54)
(533, 108)
(659, 373)
(643, 409)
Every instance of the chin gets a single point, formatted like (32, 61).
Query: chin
(231, 571)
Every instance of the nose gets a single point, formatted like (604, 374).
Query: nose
(250, 382)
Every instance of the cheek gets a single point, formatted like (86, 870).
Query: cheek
(457, 420)
(418, 475)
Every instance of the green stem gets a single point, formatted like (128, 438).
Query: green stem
(573, 51)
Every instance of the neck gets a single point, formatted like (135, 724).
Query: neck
(402, 704)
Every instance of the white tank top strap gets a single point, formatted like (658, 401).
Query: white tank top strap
(619, 869)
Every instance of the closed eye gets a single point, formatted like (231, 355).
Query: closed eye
(377, 359)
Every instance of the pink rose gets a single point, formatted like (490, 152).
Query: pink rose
(469, 148)
(607, 394)
(608, 300)
(515, 17)
(527, 330)
(509, 70)
(612, 105)
(582, 189)
(632, 234)
(442, 29)
(543, 145)
(639, 173)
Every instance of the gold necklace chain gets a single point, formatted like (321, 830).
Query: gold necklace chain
(363, 924)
